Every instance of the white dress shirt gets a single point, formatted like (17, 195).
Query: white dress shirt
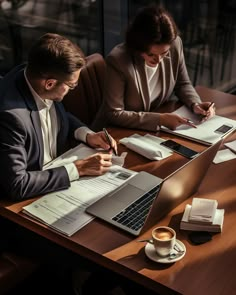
(50, 127)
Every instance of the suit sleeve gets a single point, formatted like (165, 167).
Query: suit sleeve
(184, 89)
(20, 172)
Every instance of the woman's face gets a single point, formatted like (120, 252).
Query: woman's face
(155, 54)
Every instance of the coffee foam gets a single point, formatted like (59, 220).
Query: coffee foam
(163, 234)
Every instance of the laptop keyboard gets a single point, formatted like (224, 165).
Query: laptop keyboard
(135, 214)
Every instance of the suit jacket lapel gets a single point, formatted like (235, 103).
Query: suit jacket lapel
(141, 80)
(62, 144)
(34, 114)
(166, 71)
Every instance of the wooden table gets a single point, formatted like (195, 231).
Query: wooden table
(205, 269)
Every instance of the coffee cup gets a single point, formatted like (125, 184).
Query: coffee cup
(164, 239)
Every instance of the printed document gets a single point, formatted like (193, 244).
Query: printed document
(64, 211)
(206, 132)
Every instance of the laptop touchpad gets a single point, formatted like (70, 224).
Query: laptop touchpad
(127, 194)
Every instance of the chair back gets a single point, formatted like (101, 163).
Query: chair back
(85, 100)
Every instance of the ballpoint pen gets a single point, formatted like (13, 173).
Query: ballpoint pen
(191, 123)
(109, 141)
(211, 104)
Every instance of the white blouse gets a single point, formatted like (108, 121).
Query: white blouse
(154, 86)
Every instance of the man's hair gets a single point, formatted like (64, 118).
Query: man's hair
(54, 56)
(152, 25)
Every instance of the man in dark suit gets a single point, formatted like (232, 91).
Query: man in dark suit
(35, 128)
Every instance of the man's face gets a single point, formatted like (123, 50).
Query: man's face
(56, 89)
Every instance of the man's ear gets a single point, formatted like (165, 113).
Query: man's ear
(50, 83)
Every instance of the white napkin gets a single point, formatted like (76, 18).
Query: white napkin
(147, 146)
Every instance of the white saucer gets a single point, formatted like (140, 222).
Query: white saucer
(152, 254)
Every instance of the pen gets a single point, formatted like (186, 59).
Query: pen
(191, 123)
(202, 116)
(109, 141)
(211, 104)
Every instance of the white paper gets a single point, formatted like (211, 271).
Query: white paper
(224, 155)
(65, 210)
(82, 151)
(205, 131)
(231, 145)
(216, 225)
(147, 146)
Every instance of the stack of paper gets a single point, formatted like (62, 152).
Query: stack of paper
(188, 221)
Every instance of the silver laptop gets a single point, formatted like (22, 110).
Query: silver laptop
(145, 199)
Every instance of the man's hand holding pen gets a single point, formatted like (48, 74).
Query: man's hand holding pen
(102, 140)
(111, 142)
(100, 162)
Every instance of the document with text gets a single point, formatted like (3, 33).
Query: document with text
(64, 210)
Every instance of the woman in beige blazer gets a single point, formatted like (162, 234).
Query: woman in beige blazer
(146, 71)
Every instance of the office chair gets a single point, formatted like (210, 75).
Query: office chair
(85, 100)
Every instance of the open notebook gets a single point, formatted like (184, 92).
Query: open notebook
(145, 198)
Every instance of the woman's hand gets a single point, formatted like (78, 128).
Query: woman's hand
(206, 110)
(172, 121)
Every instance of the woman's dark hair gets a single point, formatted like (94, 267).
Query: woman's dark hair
(152, 25)
(54, 56)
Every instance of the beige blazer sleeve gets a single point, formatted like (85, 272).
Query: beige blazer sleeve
(126, 96)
